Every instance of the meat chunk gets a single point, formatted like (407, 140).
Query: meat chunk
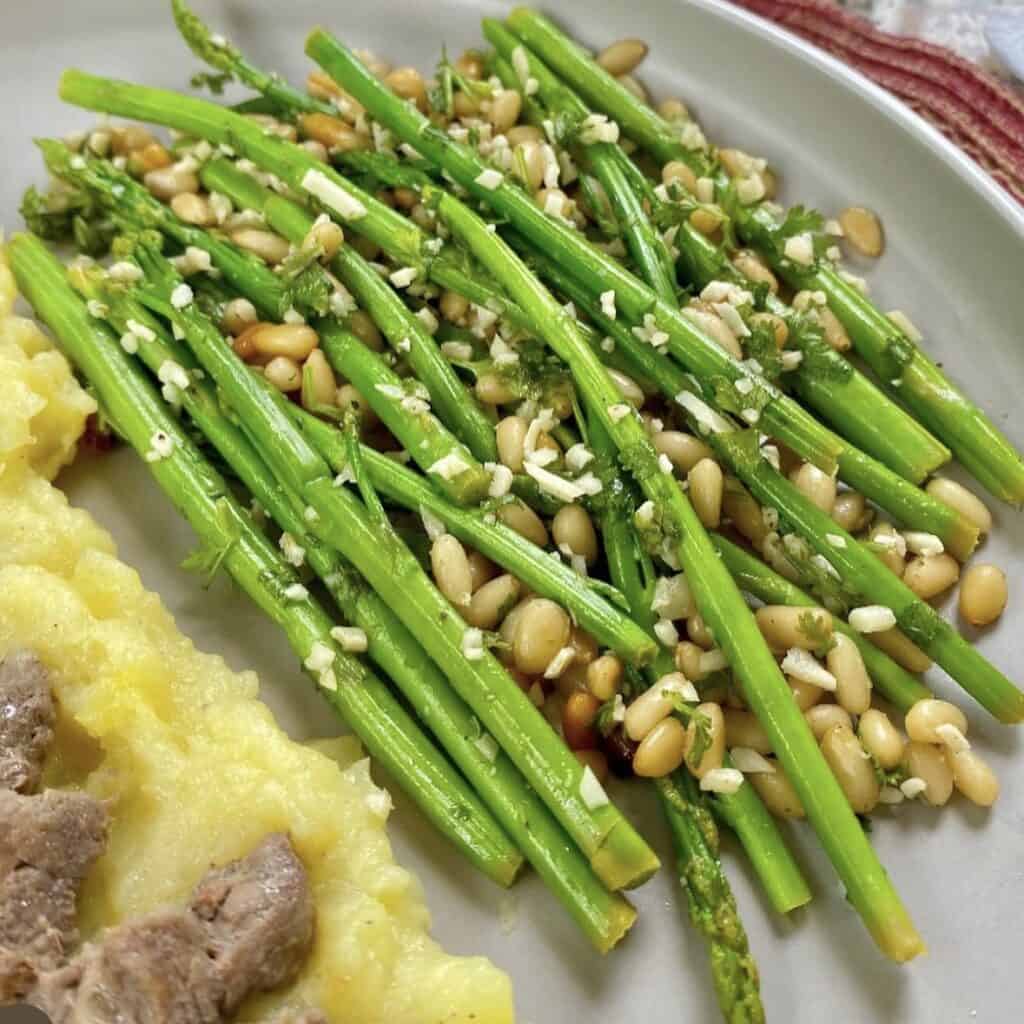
(26, 720)
(47, 844)
(259, 915)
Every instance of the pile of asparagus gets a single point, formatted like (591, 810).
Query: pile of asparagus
(570, 276)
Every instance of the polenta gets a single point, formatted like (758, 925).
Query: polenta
(194, 767)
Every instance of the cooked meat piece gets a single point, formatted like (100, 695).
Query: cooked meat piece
(26, 720)
(259, 918)
(151, 971)
(47, 843)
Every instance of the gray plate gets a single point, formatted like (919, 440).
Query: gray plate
(953, 263)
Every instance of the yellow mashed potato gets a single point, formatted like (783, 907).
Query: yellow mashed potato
(194, 766)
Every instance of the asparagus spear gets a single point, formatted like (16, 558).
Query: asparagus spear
(717, 598)
(616, 852)
(903, 369)
(860, 571)
(198, 491)
(603, 916)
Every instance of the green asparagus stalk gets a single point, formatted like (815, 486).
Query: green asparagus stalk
(604, 917)
(719, 602)
(198, 491)
(616, 852)
(903, 369)
(858, 568)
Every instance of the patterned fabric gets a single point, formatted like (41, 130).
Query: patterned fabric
(981, 113)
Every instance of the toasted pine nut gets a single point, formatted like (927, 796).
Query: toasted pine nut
(889, 555)
(927, 715)
(363, 327)
(326, 236)
(773, 323)
(735, 162)
(742, 729)
(349, 398)
(529, 163)
(129, 138)
(521, 518)
(494, 389)
(604, 675)
(323, 386)
(585, 647)
(192, 209)
(684, 450)
(321, 86)
(451, 570)
(647, 710)
(238, 315)
(465, 104)
(153, 157)
(622, 56)
(805, 695)
(785, 626)
(983, 594)
(573, 529)
(901, 649)
(578, 716)
(958, 497)
(748, 263)
(834, 331)
(687, 658)
(294, 340)
(628, 388)
(714, 753)
(745, 513)
(849, 511)
(973, 777)
(510, 434)
(521, 133)
(881, 738)
(706, 221)
(333, 133)
(863, 230)
(853, 684)
(816, 485)
(481, 569)
(454, 307)
(706, 489)
(927, 762)
(408, 83)
(673, 109)
(283, 373)
(542, 630)
(596, 761)
(471, 65)
(269, 247)
(634, 87)
(702, 316)
(823, 717)
(167, 182)
(676, 171)
(504, 111)
(699, 632)
(777, 792)
(930, 575)
(662, 750)
(405, 198)
(851, 766)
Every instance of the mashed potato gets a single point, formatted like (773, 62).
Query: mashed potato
(194, 766)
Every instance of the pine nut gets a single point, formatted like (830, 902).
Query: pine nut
(604, 676)
(238, 315)
(245, 350)
(521, 133)
(863, 230)
(542, 631)
(891, 556)
(706, 221)
(283, 373)
(647, 710)
(735, 162)
(699, 632)
(927, 715)
(481, 569)
(673, 109)
(321, 86)
(748, 263)
(714, 753)
(521, 518)
(405, 198)
(805, 695)
(585, 647)
(510, 435)
(930, 575)
(333, 133)
(294, 340)
(269, 247)
(622, 56)
(129, 138)
(362, 326)
(495, 389)
(853, 684)
(596, 761)
(167, 182)
(819, 487)
(366, 248)
(578, 715)
(507, 633)
(834, 332)
(973, 777)
(465, 104)
(408, 83)
(662, 750)
(706, 489)
(983, 594)
(471, 65)
(823, 717)
(628, 388)
(959, 498)
(742, 729)
(454, 307)
(323, 387)
(676, 171)
(573, 529)
(684, 450)
(777, 792)
(713, 325)
(785, 626)
(192, 209)
(744, 513)
(773, 323)
(881, 738)
(771, 183)
(350, 399)
(687, 658)
(153, 157)
(849, 511)
(901, 649)
(451, 570)
(927, 762)
(325, 236)
(504, 111)
(318, 149)
(852, 767)
(529, 163)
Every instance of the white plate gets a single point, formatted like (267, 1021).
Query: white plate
(953, 263)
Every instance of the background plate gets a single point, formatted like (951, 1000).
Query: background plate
(953, 262)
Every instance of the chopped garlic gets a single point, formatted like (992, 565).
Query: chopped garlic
(707, 419)
(174, 373)
(488, 746)
(619, 411)
(608, 304)
(141, 331)
(489, 179)
(922, 543)
(124, 271)
(294, 553)
(800, 249)
(913, 787)
(591, 791)
(666, 632)
(351, 639)
(890, 795)
(403, 277)
(161, 446)
(551, 483)
(722, 780)
(750, 762)
(320, 657)
(130, 343)
(331, 194)
(713, 661)
(96, 309)
(802, 665)
(501, 479)
(835, 540)
(432, 525)
(460, 350)
(295, 592)
(871, 618)
(673, 598)
(449, 467)
(905, 324)
(578, 456)
(473, 644)
(560, 662)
